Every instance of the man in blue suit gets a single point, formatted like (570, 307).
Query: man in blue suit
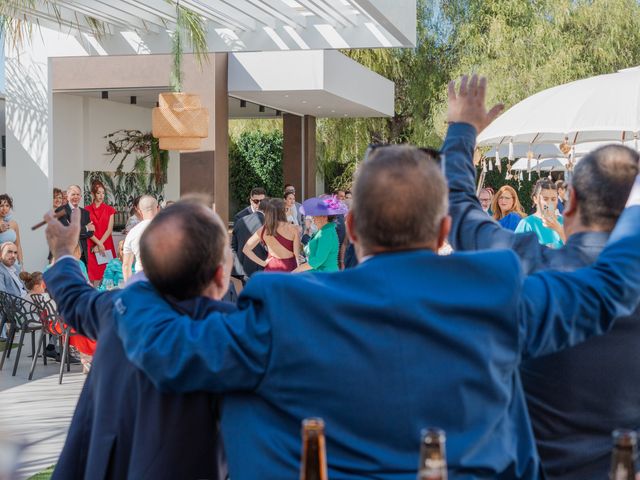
(123, 427)
(572, 419)
(377, 360)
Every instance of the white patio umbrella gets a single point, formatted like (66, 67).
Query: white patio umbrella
(548, 164)
(601, 108)
(545, 150)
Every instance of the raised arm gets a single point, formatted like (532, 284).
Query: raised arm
(252, 243)
(220, 353)
(472, 228)
(562, 309)
(80, 305)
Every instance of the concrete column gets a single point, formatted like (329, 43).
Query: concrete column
(207, 170)
(299, 154)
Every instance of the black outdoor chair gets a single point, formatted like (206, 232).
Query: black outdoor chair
(52, 324)
(21, 316)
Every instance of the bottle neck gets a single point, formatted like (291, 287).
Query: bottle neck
(314, 458)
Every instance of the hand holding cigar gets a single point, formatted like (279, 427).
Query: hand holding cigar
(62, 239)
(56, 215)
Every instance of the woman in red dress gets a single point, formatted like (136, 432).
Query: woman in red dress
(102, 216)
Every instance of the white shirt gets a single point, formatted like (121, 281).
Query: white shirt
(132, 242)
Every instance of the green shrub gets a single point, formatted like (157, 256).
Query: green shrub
(255, 160)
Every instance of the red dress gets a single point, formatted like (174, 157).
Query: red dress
(100, 217)
(280, 264)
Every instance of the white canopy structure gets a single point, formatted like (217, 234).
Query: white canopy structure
(601, 108)
(143, 26)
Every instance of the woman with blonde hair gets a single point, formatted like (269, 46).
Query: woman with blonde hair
(506, 208)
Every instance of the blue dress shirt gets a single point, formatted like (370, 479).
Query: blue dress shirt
(572, 418)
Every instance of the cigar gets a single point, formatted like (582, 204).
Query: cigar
(59, 214)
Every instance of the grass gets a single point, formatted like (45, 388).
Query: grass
(43, 475)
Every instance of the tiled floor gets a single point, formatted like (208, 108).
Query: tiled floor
(37, 412)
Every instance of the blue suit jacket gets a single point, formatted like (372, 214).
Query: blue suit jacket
(572, 419)
(123, 427)
(380, 359)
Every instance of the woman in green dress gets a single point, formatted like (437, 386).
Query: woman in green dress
(323, 249)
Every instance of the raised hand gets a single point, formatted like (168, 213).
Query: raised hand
(468, 104)
(62, 239)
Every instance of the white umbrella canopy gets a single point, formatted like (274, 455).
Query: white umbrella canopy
(522, 149)
(601, 108)
(546, 165)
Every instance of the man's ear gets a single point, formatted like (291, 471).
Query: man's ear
(445, 228)
(351, 228)
(571, 204)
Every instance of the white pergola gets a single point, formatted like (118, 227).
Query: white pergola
(235, 25)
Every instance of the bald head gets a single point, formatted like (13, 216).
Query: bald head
(183, 248)
(399, 200)
(148, 206)
(602, 181)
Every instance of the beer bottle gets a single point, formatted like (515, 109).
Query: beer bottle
(623, 458)
(433, 457)
(314, 457)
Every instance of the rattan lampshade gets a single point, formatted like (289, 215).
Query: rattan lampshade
(180, 122)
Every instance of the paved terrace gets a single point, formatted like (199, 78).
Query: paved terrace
(39, 411)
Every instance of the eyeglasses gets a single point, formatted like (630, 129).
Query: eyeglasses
(430, 152)
(502, 197)
(255, 200)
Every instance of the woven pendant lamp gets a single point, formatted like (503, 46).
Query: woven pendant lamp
(179, 121)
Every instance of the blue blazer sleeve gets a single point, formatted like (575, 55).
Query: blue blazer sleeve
(220, 353)
(561, 309)
(79, 304)
(472, 228)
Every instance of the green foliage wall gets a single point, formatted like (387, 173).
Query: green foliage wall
(255, 160)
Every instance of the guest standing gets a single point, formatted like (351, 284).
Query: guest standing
(74, 194)
(545, 222)
(506, 208)
(255, 197)
(102, 216)
(324, 247)
(280, 237)
(58, 200)
(290, 208)
(9, 230)
(485, 196)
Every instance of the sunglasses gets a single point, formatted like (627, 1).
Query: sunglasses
(255, 200)
(430, 152)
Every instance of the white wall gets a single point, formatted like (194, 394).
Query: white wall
(50, 140)
(79, 127)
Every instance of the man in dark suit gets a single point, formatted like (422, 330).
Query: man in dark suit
(257, 195)
(572, 419)
(406, 339)
(243, 229)
(74, 194)
(123, 427)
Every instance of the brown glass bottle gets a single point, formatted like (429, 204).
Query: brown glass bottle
(623, 458)
(313, 465)
(433, 456)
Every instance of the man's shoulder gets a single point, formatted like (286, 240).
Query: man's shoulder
(138, 228)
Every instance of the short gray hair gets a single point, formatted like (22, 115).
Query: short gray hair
(399, 198)
(602, 181)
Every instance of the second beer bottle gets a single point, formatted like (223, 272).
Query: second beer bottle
(314, 457)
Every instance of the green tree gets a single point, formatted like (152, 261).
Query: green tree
(255, 160)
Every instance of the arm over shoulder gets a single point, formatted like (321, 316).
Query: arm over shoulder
(220, 353)
(561, 309)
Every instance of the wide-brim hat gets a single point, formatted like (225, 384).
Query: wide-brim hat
(323, 206)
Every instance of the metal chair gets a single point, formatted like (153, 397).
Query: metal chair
(52, 324)
(21, 316)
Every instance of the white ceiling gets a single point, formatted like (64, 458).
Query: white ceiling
(237, 25)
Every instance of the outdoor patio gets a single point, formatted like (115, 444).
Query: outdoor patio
(37, 412)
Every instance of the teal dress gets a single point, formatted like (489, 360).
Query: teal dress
(323, 248)
(114, 273)
(546, 236)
